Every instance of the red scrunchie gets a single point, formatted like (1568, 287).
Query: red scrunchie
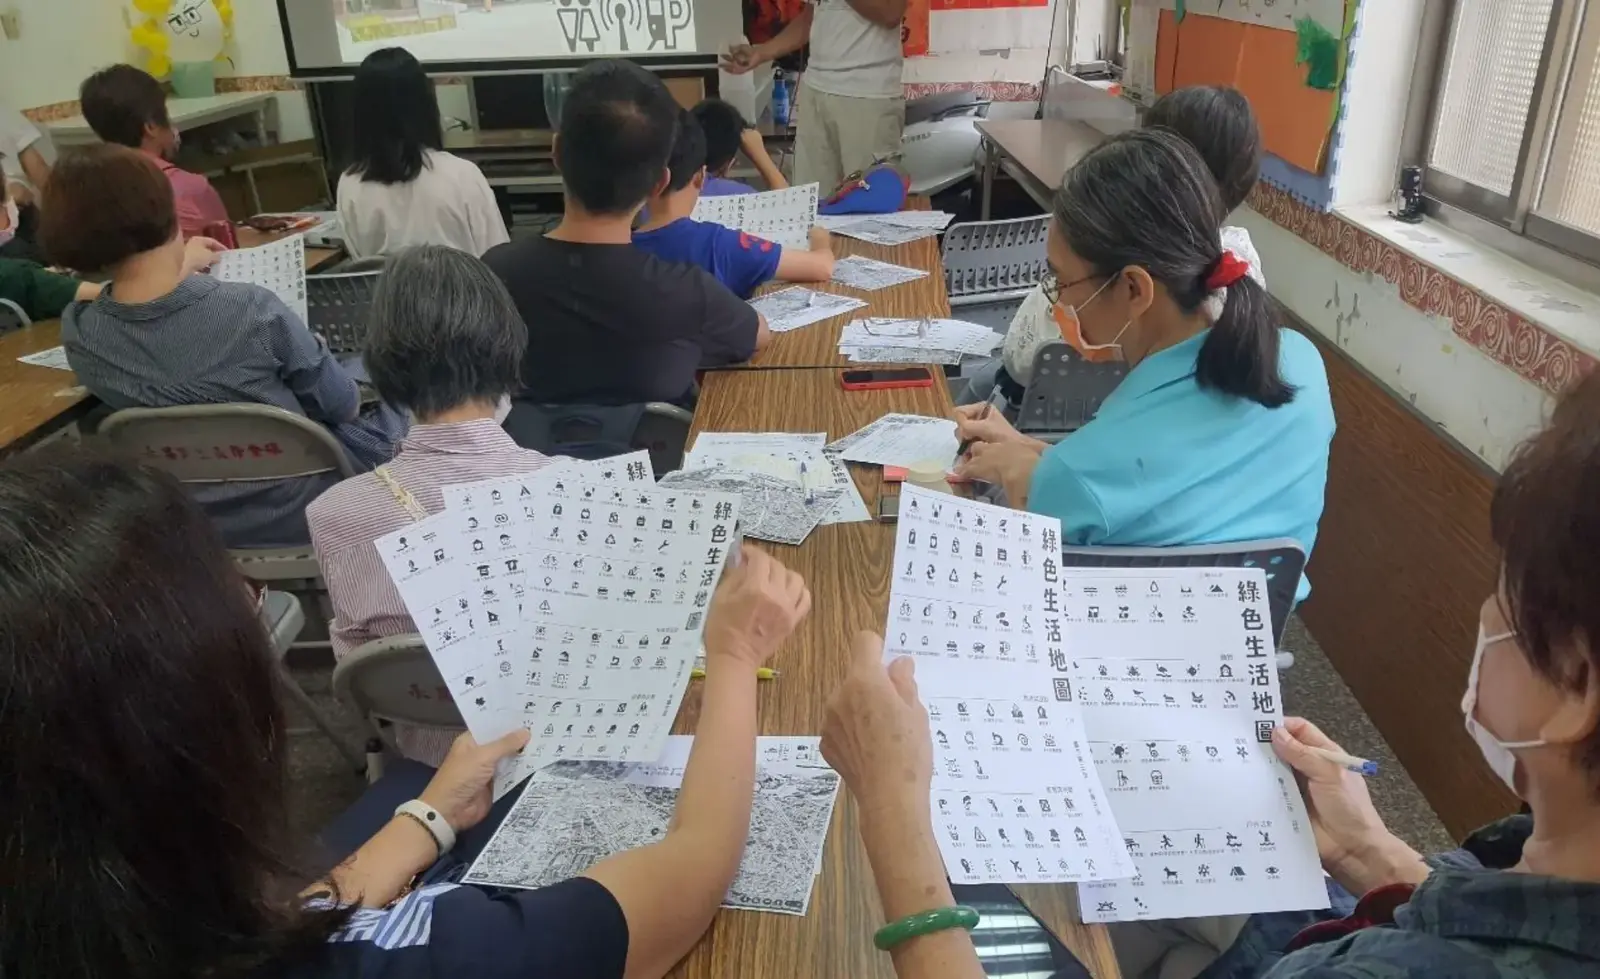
(1229, 269)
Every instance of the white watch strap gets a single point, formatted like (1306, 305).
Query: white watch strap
(432, 821)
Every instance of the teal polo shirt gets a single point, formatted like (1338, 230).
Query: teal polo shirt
(1166, 463)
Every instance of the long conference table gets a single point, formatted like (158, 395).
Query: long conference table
(793, 386)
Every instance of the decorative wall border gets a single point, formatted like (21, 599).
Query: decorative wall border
(1513, 340)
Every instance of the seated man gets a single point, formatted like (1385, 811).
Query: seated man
(40, 293)
(124, 105)
(607, 322)
(726, 134)
(740, 261)
(435, 306)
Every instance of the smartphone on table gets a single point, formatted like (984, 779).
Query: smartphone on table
(887, 378)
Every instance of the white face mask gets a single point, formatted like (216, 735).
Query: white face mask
(1496, 752)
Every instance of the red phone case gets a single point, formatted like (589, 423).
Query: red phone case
(926, 382)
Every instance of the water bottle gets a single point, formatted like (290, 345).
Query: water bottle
(781, 103)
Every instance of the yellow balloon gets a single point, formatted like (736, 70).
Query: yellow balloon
(151, 39)
(158, 65)
(152, 8)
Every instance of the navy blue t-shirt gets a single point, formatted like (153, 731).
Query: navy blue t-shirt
(572, 930)
(740, 261)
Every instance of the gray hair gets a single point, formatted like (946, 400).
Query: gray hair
(443, 331)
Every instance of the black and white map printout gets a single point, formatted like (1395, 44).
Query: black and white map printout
(573, 814)
(1015, 797)
(1176, 670)
(568, 606)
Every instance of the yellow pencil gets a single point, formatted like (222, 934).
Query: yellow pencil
(763, 673)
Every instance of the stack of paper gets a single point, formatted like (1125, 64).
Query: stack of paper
(887, 229)
(1014, 794)
(279, 267)
(775, 508)
(572, 815)
(797, 306)
(908, 441)
(565, 603)
(915, 341)
(782, 216)
(861, 272)
(787, 455)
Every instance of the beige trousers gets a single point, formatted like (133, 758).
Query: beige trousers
(1181, 948)
(839, 134)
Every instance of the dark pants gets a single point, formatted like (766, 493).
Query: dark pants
(404, 780)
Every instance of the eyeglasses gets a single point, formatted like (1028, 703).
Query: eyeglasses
(881, 326)
(1053, 287)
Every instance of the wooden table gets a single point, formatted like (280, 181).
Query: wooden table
(35, 401)
(847, 568)
(817, 345)
(1035, 152)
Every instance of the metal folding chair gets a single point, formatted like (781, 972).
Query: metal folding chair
(601, 431)
(989, 266)
(1065, 393)
(283, 618)
(337, 305)
(1281, 558)
(395, 680)
(12, 316)
(234, 443)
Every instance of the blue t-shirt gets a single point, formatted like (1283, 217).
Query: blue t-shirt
(723, 187)
(737, 260)
(1165, 463)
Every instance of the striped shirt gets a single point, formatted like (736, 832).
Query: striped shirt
(347, 519)
(210, 342)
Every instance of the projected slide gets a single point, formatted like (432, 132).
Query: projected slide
(442, 30)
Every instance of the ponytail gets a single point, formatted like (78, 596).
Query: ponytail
(1240, 354)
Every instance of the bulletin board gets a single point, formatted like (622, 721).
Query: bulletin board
(1265, 63)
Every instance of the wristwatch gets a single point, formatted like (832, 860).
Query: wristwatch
(431, 820)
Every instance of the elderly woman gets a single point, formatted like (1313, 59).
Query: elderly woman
(160, 336)
(146, 767)
(444, 342)
(1519, 899)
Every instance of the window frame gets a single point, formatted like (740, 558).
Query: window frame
(1514, 212)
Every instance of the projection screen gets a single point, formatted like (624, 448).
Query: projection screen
(328, 38)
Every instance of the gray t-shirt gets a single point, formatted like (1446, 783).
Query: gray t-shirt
(850, 55)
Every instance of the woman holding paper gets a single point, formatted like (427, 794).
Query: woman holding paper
(146, 827)
(1220, 431)
(1519, 899)
(160, 336)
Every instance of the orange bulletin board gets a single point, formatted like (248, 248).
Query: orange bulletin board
(914, 29)
(1296, 120)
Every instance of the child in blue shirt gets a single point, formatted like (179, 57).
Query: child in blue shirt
(726, 134)
(740, 261)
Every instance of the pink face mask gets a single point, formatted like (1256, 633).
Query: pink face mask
(1071, 327)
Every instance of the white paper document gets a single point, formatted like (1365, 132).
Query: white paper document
(772, 508)
(633, 468)
(788, 455)
(782, 216)
(861, 272)
(279, 267)
(54, 357)
(879, 231)
(920, 334)
(899, 355)
(901, 440)
(794, 307)
(1176, 672)
(937, 220)
(573, 814)
(568, 606)
(1015, 797)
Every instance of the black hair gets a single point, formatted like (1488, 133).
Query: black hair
(145, 764)
(118, 102)
(1145, 198)
(442, 331)
(724, 126)
(396, 118)
(688, 155)
(1219, 123)
(617, 129)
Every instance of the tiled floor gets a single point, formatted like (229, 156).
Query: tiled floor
(323, 784)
